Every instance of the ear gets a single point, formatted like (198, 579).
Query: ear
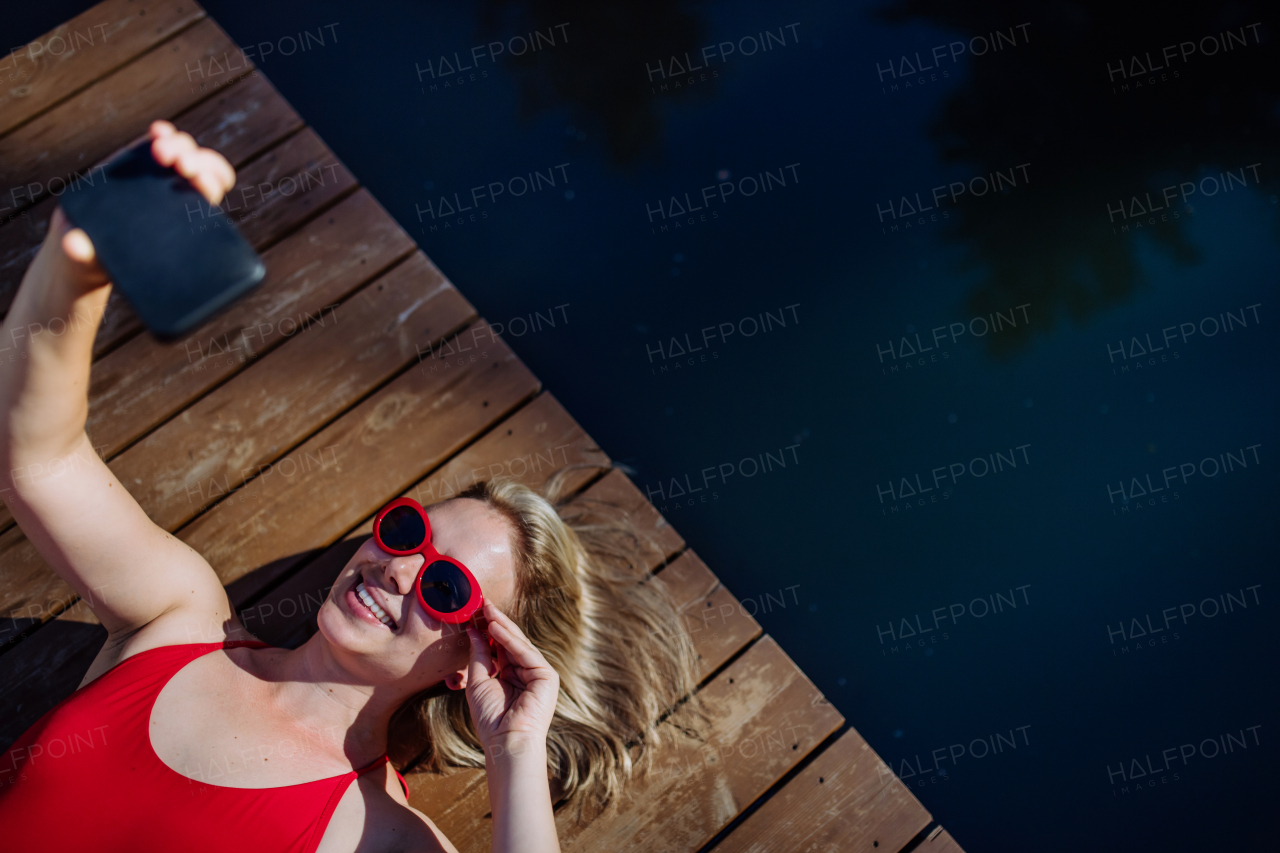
(456, 680)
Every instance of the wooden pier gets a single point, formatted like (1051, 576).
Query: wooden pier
(357, 372)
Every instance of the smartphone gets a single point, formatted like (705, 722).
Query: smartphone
(176, 265)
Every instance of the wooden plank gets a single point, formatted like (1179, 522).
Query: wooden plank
(32, 591)
(53, 149)
(90, 45)
(286, 186)
(940, 841)
(765, 717)
(346, 470)
(48, 666)
(716, 620)
(846, 799)
(233, 433)
(144, 382)
(516, 448)
(241, 122)
(616, 492)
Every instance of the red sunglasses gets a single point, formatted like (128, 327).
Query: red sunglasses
(445, 587)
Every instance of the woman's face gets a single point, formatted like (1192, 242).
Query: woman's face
(415, 648)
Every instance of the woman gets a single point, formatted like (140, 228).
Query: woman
(188, 734)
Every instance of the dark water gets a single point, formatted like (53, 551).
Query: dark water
(984, 414)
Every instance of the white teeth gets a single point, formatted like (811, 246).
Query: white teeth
(364, 596)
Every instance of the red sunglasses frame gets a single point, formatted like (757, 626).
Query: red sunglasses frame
(430, 555)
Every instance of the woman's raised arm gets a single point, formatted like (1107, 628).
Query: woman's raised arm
(67, 501)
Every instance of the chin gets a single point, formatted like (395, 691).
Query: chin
(338, 630)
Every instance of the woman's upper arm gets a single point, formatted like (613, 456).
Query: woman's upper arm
(96, 537)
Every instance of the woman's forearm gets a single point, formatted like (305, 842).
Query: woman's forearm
(520, 795)
(48, 337)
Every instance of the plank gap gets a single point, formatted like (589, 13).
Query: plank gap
(776, 787)
(921, 837)
(71, 93)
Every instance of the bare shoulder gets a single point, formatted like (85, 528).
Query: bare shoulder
(374, 817)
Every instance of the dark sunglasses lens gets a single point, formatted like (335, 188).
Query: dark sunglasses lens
(444, 587)
(402, 529)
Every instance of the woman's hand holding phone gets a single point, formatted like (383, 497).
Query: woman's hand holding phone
(73, 259)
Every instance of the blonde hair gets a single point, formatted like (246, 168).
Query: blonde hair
(584, 597)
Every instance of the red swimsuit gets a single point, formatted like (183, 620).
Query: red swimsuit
(85, 777)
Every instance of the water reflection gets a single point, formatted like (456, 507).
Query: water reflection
(601, 78)
(1111, 105)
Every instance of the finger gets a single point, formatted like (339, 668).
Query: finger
(493, 614)
(223, 169)
(160, 128)
(480, 665)
(205, 160)
(209, 187)
(519, 650)
(78, 247)
(167, 149)
(58, 225)
(208, 171)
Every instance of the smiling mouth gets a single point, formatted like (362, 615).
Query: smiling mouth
(367, 600)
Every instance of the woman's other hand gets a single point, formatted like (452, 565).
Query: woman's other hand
(513, 696)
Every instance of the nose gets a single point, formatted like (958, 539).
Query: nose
(400, 572)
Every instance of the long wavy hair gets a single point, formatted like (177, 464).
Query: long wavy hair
(585, 598)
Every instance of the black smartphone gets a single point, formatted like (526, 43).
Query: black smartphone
(175, 264)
